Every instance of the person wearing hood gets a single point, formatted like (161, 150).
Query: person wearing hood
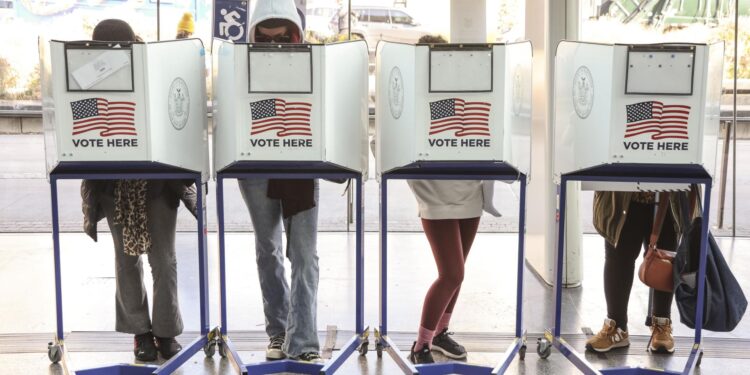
(290, 313)
(142, 217)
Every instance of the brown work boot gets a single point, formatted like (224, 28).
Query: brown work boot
(610, 337)
(661, 336)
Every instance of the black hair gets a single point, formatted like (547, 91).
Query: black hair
(113, 30)
(432, 39)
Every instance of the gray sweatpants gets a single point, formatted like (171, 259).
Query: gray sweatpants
(130, 299)
(292, 311)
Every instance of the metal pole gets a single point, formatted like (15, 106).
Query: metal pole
(349, 20)
(734, 120)
(158, 20)
(723, 178)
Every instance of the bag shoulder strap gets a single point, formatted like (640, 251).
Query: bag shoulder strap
(661, 213)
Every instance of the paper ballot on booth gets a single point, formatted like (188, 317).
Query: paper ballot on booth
(302, 103)
(114, 103)
(98, 67)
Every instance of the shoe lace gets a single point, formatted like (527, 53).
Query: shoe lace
(657, 329)
(311, 356)
(606, 331)
(278, 340)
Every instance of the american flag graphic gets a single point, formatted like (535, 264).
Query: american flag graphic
(109, 118)
(662, 121)
(289, 118)
(466, 118)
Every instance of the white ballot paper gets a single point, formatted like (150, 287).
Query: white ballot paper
(100, 68)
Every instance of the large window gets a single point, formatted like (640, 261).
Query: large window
(22, 22)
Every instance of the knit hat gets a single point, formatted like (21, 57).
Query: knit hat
(186, 23)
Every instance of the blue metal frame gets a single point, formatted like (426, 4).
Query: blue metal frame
(627, 172)
(131, 170)
(451, 171)
(292, 170)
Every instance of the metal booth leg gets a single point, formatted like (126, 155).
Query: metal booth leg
(201, 342)
(696, 352)
(56, 349)
(519, 343)
(359, 342)
(225, 345)
(554, 338)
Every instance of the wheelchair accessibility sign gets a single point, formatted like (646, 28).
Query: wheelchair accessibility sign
(230, 20)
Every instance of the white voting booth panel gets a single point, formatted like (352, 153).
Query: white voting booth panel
(138, 102)
(650, 104)
(453, 103)
(290, 103)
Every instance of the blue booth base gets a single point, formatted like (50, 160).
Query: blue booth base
(453, 368)
(121, 369)
(275, 367)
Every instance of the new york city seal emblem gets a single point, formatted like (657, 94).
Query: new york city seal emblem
(396, 92)
(178, 103)
(583, 92)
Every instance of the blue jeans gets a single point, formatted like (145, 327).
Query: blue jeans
(287, 311)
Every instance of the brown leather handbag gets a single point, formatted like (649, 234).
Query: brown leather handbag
(656, 269)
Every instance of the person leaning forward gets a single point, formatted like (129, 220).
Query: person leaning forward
(290, 313)
(142, 217)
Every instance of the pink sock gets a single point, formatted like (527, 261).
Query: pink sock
(424, 337)
(443, 323)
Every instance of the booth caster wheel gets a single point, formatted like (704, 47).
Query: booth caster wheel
(209, 349)
(543, 348)
(379, 350)
(522, 352)
(700, 357)
(222, 349)
(363, 348)
(54, 352)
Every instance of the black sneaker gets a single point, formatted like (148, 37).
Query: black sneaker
(444, 344)
(168, 346)
(311, 357)
(274, 352)
(422, 356)
(144, 347)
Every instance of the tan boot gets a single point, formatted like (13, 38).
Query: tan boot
(661, 336)
(608, 338)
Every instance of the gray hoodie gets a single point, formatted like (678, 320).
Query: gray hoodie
(268, 9)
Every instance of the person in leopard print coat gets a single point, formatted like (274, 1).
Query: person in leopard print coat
(142, 218)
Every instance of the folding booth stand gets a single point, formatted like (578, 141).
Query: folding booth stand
(111, 111)
(452, 112)
(291, 112)
(640, 118)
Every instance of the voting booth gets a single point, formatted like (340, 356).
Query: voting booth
(635, 118)
(117, 102)
(290, 102)
(126, 110)
(451, 102)
(655, 103)
(291, 111)
(453, 112)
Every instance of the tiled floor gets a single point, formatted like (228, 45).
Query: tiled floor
(484, 316)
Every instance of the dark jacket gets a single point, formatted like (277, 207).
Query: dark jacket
(611, 210)
(92, 190)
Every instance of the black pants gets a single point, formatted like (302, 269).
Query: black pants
(619, 262)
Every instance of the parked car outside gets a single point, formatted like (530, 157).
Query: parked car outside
(376, 23)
